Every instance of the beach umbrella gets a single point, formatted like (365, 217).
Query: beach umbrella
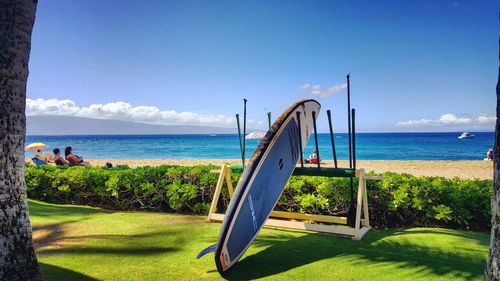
(36, 146)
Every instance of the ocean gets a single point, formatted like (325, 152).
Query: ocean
(370, 146)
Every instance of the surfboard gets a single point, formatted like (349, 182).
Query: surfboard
(262, 182)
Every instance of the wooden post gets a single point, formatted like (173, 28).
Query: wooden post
(366, 215)
(357, 221)
(229, 183)
(218, 188)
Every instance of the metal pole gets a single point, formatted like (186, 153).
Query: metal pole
(244, 129)
(239, 137)
(332, 139)
(269, 119)
(300, 140)
(316, 137)
(354, 138)
(349, 117)
(352, 207)
(351, 213)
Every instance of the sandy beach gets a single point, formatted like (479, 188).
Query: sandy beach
(468, 169)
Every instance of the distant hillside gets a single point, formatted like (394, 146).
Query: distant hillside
(59, 125)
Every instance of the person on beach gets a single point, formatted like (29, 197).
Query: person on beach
(73, 159)
(313, 158)
(39, 159)
(490, 154)
(39, 154)
(58, 159)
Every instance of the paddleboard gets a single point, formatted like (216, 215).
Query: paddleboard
(262, 183)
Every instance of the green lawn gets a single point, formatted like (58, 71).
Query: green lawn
(82, 243)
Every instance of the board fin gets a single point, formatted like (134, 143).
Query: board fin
(207, 250)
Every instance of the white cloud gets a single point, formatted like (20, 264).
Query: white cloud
(453, 119)
(487, 119)
(317, 91)
(126, 112)
(410, 123)
(450, 120)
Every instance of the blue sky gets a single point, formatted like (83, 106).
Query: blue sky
(415, 66)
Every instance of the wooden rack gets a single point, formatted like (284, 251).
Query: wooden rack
(301, 221)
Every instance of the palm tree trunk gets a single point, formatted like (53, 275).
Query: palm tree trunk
(17, 255)
(493, 267)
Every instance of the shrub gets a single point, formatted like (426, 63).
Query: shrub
(400, 200)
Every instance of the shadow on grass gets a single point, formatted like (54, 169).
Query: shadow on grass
(54, 232)
(63, 214)
(42, 209)
(133, 251)
(123, 244)
(52, 272)
(56, 238)
(286, 252)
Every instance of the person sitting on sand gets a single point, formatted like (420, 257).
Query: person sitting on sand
(39, 154)
(58, 159)
(313, 158)
(73, 159)
(490, 154)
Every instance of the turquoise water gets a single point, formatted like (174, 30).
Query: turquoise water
(370, 146)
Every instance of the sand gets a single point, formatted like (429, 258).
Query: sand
(469, 169)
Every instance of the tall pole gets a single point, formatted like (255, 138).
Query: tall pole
(269, 119)
(351, 213)
(316, 138)
(244, 129)
(349, 117)
(239, 137)
(334, 152)
(353, 113)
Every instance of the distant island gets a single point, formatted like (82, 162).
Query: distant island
(63, 125)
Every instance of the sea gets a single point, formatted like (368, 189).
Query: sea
(369, 146)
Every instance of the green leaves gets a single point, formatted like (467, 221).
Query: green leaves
(398, 200)
(442, 212)
(180, 194)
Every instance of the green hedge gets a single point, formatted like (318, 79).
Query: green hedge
(400, 200)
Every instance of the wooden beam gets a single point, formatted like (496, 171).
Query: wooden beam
(216, 217)
(379, 178)
(325, 172)
(309, 227)
(297, 225)
(308, 171)
(309, 217)
(361, 233)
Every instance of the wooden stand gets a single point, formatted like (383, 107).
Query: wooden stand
(308, 222)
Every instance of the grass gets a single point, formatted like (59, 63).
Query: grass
(83, 243)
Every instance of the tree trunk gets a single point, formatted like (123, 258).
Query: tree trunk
(17, 255)
(492, 269)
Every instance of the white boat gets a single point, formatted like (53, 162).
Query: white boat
(466, 135)
(257, 135)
